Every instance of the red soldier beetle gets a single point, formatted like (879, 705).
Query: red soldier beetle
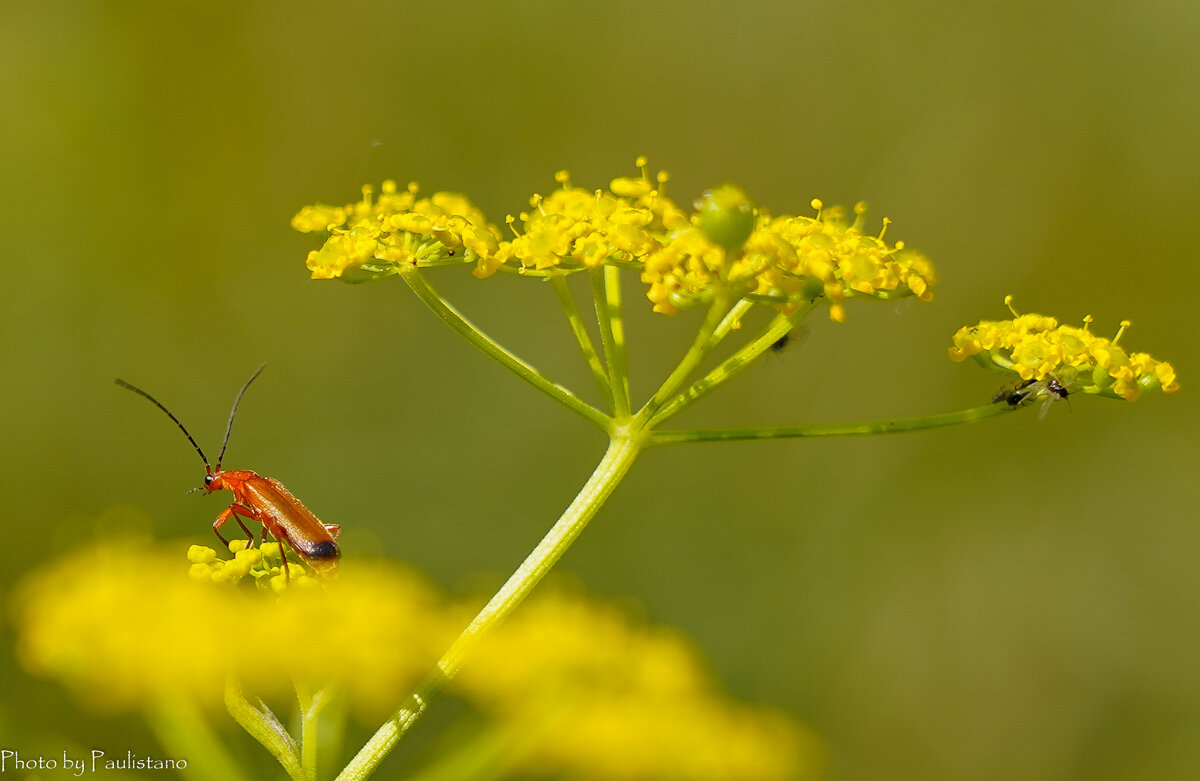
(263, 499)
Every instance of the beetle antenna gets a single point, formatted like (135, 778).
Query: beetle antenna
(159, 404)
(232, 412)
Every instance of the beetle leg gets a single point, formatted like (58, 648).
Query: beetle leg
(234, 511)
(217, 524)
(223, 518)
(334, 530)
(249, 534)
(287, 576)
(238, 513)
(279, 538)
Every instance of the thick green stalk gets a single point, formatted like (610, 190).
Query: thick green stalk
(623, 449)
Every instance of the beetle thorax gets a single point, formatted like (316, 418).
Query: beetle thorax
(229, 479)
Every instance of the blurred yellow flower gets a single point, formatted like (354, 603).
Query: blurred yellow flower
(123, 626)
(1035, 347)
(579, 689)
(608, 698)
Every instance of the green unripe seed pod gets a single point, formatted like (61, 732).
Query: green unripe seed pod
(726, 216)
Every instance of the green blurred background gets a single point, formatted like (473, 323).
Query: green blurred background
(1017, 599)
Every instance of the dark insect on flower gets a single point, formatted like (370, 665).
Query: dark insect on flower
(796, 336)
(1023, 393)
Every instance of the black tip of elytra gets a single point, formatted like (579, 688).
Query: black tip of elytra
(324, 550)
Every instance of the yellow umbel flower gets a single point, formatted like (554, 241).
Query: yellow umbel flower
(369, 238)
(1035, 347)
(608, 698)
(727, 247)
(123, 626)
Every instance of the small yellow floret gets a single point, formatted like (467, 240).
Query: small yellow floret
(199, 554)
(200, 572)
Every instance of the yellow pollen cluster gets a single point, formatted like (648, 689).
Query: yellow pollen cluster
(784, 262)
(1035, 347)
(263, 564)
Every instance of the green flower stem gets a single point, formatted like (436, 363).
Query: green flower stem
(729, 322)
(606, 292)
(622, 451)
(416, 280)
(627, 442)
(701, 346)
(184, 734)
(445, 260)
(612, 286)
(590, 355)
(815, 430)
(731, 366)
(266, 729)
(310, 712)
